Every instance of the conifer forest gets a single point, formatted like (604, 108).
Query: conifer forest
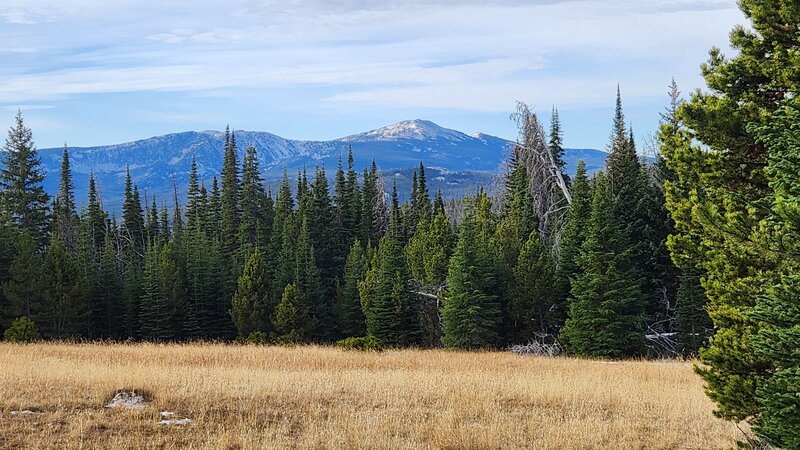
(685, 246)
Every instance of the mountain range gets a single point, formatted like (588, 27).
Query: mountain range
(457, 162)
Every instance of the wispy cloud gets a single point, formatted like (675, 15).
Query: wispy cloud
(459, 55)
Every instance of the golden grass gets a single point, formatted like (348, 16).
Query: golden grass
(317, 397)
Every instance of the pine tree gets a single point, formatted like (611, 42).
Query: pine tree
(174, 287)
(252, 306)
(292, 322)
(21, 182)
(471, 316)
(65, 218)
(607, 305)
(777, 310)
(350, 318)
(725, 187)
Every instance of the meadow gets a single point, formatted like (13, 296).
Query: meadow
(243, 397)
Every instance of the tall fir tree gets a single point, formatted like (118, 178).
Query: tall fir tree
(21, 180)
(350, 318)
(607, 305)
(252, 305)
(65, 217)
(65, 301)
(471, 316)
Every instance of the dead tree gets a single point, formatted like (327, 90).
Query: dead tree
(549, 191)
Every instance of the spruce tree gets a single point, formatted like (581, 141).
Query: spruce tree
(693, 325)
(556, 141)
(308, 281)
(154, 314)
(607, 305)
(193, 197)
(252, 227)
(65, 299)
(534, 294)
(25, 289)
(292, 321)
(392, 314)
(252, 306)
(575, 231)
(65, 218)
(471, 316)
(350, 318)
(21, 180)
(229, 199)
(96, 219)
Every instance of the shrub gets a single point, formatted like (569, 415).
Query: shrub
(366, 343)
(257, 338)
(22, 329)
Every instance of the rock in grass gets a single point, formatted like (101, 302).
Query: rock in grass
(183, 421)
(127, 400)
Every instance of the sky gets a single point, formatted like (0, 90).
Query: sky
(94, 72)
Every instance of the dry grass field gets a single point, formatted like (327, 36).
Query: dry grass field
(316, 397)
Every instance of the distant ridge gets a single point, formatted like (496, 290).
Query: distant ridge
(157, 162)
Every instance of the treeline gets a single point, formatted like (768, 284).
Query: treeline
(321, 263)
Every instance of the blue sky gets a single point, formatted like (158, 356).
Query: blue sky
(91, 72)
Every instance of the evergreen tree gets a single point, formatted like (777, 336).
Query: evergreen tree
(607, 305)
(96, 219)
(229, 200)
(725, 185)
(193, 212)
(154, 319)
(25, 289)
(65, 302)
(471, 316)
(392, 315)
(308, 281)
(292, 322)
(65, 218)
(319, 218)
(252, 228)
(556, 142)
(106, 290)
(692, 322)
(21, 182)
(575, 230)
(350, 318)
(777, 310)
(133, 220)
(534, 296)
(252, 306)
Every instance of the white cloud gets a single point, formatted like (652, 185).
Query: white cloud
(460, 54)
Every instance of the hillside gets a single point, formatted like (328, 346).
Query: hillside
(460, 161)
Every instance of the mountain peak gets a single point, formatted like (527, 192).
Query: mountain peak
(417, 130)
